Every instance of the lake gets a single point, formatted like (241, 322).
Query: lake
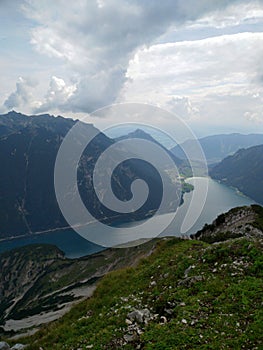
(220, 198)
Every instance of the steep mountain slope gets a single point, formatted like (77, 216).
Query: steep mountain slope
(183, 165)
(243, 170)
(217, 147)
(188, 294)
(28, 149)
(38, 284)
(20, 269)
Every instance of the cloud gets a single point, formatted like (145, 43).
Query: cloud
(243, 14)
(254, 117)
(57, 95)
(182, 107)
(216, 76)
(22, 95)
(97, 39)
(200, 64)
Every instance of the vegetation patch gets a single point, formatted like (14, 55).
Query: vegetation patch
(187, 295)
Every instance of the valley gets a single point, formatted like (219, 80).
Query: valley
(75, 246)
(28, 150)
(50, 274)
(174, 292)
(131, 175)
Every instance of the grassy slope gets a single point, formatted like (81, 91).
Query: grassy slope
(60, 273)
(221, 311)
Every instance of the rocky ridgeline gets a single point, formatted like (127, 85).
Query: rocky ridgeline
(140, 317)
(185, 294)
(186, 291)
(238, 222)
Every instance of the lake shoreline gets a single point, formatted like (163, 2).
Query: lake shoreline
(220, 199)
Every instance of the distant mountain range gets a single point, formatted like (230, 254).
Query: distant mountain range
(28, 149)
(243, 170)
(217, 147)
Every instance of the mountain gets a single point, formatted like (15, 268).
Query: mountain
(38, 284)
(28, 149)
(217, 147)
(243, 170)
(187, 294)
(237, 222)
(182, 164)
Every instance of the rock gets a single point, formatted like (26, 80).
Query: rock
(163, 320)
(139, 331)
(18, 347)
(184, 321)
(153, 284)
(189, 281)
(188, 270)
(128, 322)
(168, 311)
(130, 337)
(139, 316)
(4, 346)
(135, 315)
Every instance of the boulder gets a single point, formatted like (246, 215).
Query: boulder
(18, 347)
(4, 346)
(139, 316)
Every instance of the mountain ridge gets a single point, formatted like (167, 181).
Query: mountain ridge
(185, 294)
(183, 165)
(28, 149)
(146, 282)
(243, 171)
(39, 284)
(218, 147)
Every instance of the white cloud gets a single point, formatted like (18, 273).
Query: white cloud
(219, 76)
(200, 64)
(141, 51)
(22, 95)
(57, 95)
(234, 15)
(97, 39)
(182, 107)
(254, 117)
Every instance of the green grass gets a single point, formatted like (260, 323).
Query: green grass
(50, 273)
(259, 219)
(221, 310)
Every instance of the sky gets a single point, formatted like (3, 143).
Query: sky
(202, 60)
